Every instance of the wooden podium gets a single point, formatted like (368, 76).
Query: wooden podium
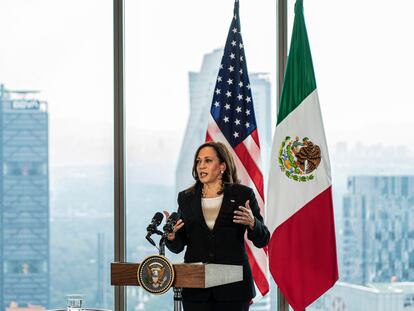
(189, 275)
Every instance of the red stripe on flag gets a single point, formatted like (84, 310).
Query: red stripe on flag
(255, 136)
(251, 167)
(258, 275)
(208, 137)
(302, 252)
(255, 175)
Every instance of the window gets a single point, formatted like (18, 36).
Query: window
(56, 152)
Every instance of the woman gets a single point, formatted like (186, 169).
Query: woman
(215, 214)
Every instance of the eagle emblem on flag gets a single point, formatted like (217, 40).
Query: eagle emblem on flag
(299, 158)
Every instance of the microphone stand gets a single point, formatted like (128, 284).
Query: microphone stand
(161, 248)
(178, 298)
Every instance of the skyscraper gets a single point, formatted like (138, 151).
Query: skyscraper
(201, 93)
(378, 229)
(24, 199)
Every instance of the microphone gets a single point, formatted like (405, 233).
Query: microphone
(155, 222)
(152, 227)
(170, 223)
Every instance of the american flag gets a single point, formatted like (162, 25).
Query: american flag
(233, 123)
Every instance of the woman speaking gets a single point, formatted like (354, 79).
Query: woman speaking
(214, 216)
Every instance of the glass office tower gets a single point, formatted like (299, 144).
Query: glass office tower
(378, 229)
(24, 199)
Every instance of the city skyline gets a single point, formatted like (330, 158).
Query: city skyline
(80, 58)
(350, 158)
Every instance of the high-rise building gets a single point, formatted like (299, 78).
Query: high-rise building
(24, 199)
(201, 94)
(378, 229)
(398, 296)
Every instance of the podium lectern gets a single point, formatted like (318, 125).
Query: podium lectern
(189, 275)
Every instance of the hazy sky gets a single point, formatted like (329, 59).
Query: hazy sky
(362, 53)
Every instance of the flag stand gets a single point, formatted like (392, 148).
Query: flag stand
(282, 304)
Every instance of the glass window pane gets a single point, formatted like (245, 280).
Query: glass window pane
(363, 64)
(56, 153)
(173, 52)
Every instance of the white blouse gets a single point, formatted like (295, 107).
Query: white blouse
(211, 209)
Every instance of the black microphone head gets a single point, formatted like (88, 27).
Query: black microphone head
(157, 219)
(171, 221)
(174, 216)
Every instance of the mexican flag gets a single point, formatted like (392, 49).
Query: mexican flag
(302, 249)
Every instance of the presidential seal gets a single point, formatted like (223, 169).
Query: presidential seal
(298, 159)
(155, 274)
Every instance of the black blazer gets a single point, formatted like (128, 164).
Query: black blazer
(222, 245)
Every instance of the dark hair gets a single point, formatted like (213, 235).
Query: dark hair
(229, 175)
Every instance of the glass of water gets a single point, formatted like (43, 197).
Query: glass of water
(75, 302)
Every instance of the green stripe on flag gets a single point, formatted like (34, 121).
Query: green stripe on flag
(299, 79)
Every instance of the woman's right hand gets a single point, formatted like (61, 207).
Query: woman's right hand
(177, 226)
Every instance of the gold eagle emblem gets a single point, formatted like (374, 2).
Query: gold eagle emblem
(299, 158)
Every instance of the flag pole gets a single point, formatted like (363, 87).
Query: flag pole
(281, 46)
(119, 149)
(282, 304)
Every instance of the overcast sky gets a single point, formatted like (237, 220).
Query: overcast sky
(362, 53)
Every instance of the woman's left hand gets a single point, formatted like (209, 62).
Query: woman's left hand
(245, 216)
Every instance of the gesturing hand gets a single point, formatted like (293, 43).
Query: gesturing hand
(245, 216)
(178, 225)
